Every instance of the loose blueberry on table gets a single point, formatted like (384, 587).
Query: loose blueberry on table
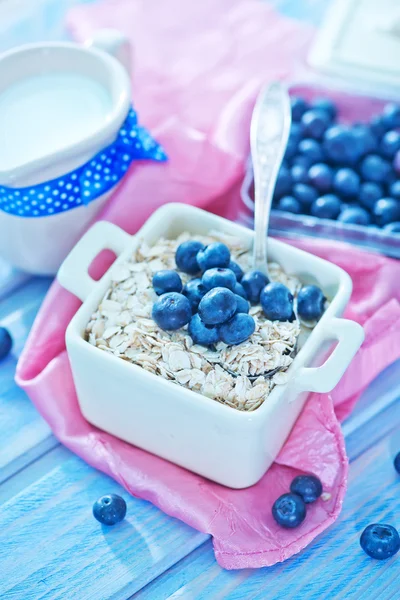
(344, 172)
(380, 541)
(109, 509)
(5, 343)
(396, 462)
(289, 510)
(308, 487)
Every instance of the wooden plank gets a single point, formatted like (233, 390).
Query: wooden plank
(52, 547)
(11, 279)
(334, 566)
(376, 414)
(25, 435)
(51, 517)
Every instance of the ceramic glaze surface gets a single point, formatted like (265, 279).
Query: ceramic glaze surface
(43, 114)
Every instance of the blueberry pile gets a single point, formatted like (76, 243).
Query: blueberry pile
(215, 304)
(349, 173)
(290, 510)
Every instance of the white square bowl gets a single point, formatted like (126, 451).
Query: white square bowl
(228, 446)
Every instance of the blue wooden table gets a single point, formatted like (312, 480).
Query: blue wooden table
(51, 547)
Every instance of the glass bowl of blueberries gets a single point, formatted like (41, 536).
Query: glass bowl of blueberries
(340, 177)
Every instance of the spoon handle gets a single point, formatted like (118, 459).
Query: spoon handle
(269, 133)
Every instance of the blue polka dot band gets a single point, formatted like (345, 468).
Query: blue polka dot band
(88, 182)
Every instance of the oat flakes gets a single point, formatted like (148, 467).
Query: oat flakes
(232, 375)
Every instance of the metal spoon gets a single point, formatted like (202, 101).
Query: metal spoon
(269, 134)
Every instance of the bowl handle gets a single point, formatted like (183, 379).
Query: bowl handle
(350, 336)
(73, 274)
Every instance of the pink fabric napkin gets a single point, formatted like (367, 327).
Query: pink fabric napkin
(195, 82)
(240, 521)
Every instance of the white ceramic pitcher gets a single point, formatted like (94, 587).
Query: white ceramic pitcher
(90, 86)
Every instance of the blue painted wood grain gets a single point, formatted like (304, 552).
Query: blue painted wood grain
(51, 546)
(24, 433)
(53, 513)
(333, 567)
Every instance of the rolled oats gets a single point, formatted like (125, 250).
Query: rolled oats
(232, 375)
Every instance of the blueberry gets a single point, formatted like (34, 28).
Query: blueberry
(396, 462)
(291, 148)
(301, 160)
(386, 210)
(217, 306)
(194, 290)
(214, 255)
(315, 123)
(296, 132)
(218, 277)
(326, 105)
(239, 290)
(326, 207)
(299, 107)
(308, 487)
(237, 269)
(390, 144)
(253, 282)
(340, 145)
(312, 150)
(172, 311)
(394, 190)
(370, 192)
(396, 162)
(205, 335)
(238, 329)
(365, 138)
(283, 183)
(391, 116)
(380, 541)
(290, 204)
(277, 302)
(321, 177)
(299, 174)
(393, 227)
(5, 342)
(355, 215)
(310, 303)
(289, 510)
(166, 281)
(378, 126)
(109, 509)
(242, 305)
(185, 256)
(346, 183)
(375, 168)
(304, 193)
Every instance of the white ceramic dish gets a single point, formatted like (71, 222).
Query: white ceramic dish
(38, 245)
(228, 446)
